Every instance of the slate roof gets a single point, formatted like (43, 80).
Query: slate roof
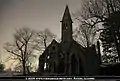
(67, 46)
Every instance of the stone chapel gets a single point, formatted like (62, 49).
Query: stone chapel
(69, 58)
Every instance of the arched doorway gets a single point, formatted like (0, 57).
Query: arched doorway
(54, 67)
(61, 66)
(81, 70)
(74, 65)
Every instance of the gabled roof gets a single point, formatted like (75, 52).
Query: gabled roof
(67, 46)
(53, 42)
(66, 16)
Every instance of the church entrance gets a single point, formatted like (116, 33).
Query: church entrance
(54, 67)
(74, 65)
(61, 66)
(81, 70)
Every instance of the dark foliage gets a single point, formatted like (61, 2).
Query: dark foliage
(111, 69)
(110, 36)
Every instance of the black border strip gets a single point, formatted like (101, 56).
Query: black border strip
(65, 77)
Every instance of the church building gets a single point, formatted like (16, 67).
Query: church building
(68, 58)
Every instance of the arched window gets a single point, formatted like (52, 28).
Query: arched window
(53, 48)
(66, 24)
(65, 27)
(48, 57)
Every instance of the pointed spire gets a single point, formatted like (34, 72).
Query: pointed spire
(66, 15)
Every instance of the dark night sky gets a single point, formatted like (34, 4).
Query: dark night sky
(34, 14)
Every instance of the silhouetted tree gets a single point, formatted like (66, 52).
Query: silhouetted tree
(43, 39)
(88, 24)
(99, 9)
(21, 49)
(110, 36)
(97, 12)
(85, 35)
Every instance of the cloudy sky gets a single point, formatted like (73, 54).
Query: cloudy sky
(34, 14)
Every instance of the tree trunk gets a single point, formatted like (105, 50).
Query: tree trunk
(45, 43)
(98, 47)
(24, 69)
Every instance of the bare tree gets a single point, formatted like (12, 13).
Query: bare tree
(85, 35)
(86, 32)
(97, 12)
(43, 39)
(89, 24)
(21, 49)
(99, 9)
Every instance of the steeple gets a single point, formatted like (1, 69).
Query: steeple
(66, 15)
(66, 26)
